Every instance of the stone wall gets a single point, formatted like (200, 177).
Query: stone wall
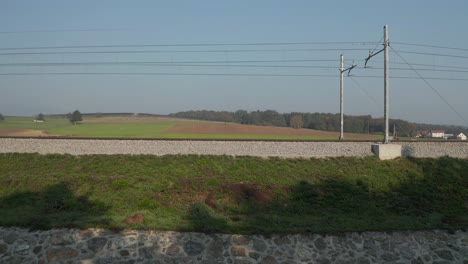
(104, 246)
(435, 149)
(234, 148)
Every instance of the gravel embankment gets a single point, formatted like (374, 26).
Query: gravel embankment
(435, 149)
(235, 148)
(162, 147)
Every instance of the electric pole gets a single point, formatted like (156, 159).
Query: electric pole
(386, 81)
(342, 71)
(341, 96)
(386, 84)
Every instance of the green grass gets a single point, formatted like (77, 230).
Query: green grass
(27, 123)
(61, 126)
(233, 195)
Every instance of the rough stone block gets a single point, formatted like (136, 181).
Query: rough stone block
(386, 151)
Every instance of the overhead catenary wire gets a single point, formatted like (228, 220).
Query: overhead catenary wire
(377, 45)
(429, 65)
(217, 74)
(411, 69)
(64, 30)
(227, 62)
(356, 84)
(194, 64)
(429, 46)
(376, 104)
(432, 54)
(152, 64)
(433, 89)
(192, 45)
(169, 74)
(175, 51)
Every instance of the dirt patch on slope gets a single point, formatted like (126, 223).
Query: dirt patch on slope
(236, 193)
(230, 128)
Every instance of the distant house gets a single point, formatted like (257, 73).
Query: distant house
(436, 134)
(38, 121)
(422, 133)
(461, 136)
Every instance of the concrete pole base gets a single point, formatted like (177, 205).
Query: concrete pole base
(386, 151)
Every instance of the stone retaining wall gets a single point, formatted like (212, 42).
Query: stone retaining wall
(234, 148)
(104, 246)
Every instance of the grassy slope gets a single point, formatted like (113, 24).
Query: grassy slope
(61, 126)
(27, 123)
(316, 195)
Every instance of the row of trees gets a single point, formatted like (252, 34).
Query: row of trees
(74, 117)
(320, 121)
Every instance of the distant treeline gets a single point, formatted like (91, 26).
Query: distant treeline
(320, 121)
(98, 114)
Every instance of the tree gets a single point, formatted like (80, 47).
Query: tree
(296, 121)
(75, 117)
(1, 117)
(40, 116)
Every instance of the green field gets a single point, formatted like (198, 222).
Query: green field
(233, 195)
(94, 127)
(27, 123)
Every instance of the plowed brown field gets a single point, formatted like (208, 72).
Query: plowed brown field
(239, 129)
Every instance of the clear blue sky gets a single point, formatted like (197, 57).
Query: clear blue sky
(90, 23)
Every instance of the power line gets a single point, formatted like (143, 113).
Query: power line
(162, 64)
(429, 46)
(432, 54)
(356, 84)
(226, 64)
(192, 45)
(433, 89)
(429, 65)
(63, 30)
(377, 45)
(177, 51)
(218, 74)
(172, 74)
(410, 69)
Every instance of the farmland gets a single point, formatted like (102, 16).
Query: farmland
(160, 127)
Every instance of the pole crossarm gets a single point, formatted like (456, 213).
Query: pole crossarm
(348, 69)
(372, 55)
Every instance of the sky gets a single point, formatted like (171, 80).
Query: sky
(139, 56)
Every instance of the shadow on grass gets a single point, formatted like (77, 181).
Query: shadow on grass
(435, 199)
(56, 206)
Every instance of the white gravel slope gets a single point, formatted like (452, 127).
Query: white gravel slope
(435, 149)
(234, 148)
